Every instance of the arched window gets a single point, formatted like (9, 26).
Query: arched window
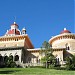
(29, 59)
(1, 58)
(16, 58)
(39, 61)
(36, 59)
(57, 61)
(5, 58)
(67, 47)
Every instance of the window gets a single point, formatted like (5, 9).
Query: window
(67, 47)
(16, 39)
(16, 58)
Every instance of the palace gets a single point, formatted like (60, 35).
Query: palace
(17, 44)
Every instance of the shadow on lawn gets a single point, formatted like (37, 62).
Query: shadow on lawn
(8, 71)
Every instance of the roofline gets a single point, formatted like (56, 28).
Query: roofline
(11, 48)
(39, 49)
(30, 41)
(14, 24)
(13, 36)
(73, 34)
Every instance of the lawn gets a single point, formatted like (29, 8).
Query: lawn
(34, 71)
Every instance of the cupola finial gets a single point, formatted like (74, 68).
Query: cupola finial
(14, 19)
(64, 28)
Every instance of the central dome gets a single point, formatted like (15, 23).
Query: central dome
(14, 31)
(65, 31)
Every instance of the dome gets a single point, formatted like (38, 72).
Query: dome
(65, 31)
(23, 29)
(14, 31)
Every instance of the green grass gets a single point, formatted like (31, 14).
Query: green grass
(34, 71)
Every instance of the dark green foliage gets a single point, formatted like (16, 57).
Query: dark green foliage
(8, 62)
(70, 62)
(13, 64)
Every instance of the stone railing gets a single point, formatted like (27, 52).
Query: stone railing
(33, 64)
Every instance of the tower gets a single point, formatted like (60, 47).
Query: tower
(13, 31)
(14, 26)
(23, 31)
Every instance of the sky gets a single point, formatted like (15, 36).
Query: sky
(41, 18)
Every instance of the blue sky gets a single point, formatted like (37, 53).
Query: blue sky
(42, 18)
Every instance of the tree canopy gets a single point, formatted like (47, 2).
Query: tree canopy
(48, 58)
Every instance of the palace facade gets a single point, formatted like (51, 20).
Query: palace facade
(17, 44)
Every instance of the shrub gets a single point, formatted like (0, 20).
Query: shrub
(70, 64)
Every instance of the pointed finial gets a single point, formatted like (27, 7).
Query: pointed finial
(64, 28)
(15, 18)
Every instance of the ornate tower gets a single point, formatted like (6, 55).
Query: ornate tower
(23, 31)
(13, 31)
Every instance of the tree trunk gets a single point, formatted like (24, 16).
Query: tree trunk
(46, 64)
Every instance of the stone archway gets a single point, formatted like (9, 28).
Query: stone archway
(1, 58)
(16, 58)
(5, 58)
(11, 58)
(1, 61)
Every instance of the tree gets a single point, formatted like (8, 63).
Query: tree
(70, 62)
(8, 61)
(48, 58)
